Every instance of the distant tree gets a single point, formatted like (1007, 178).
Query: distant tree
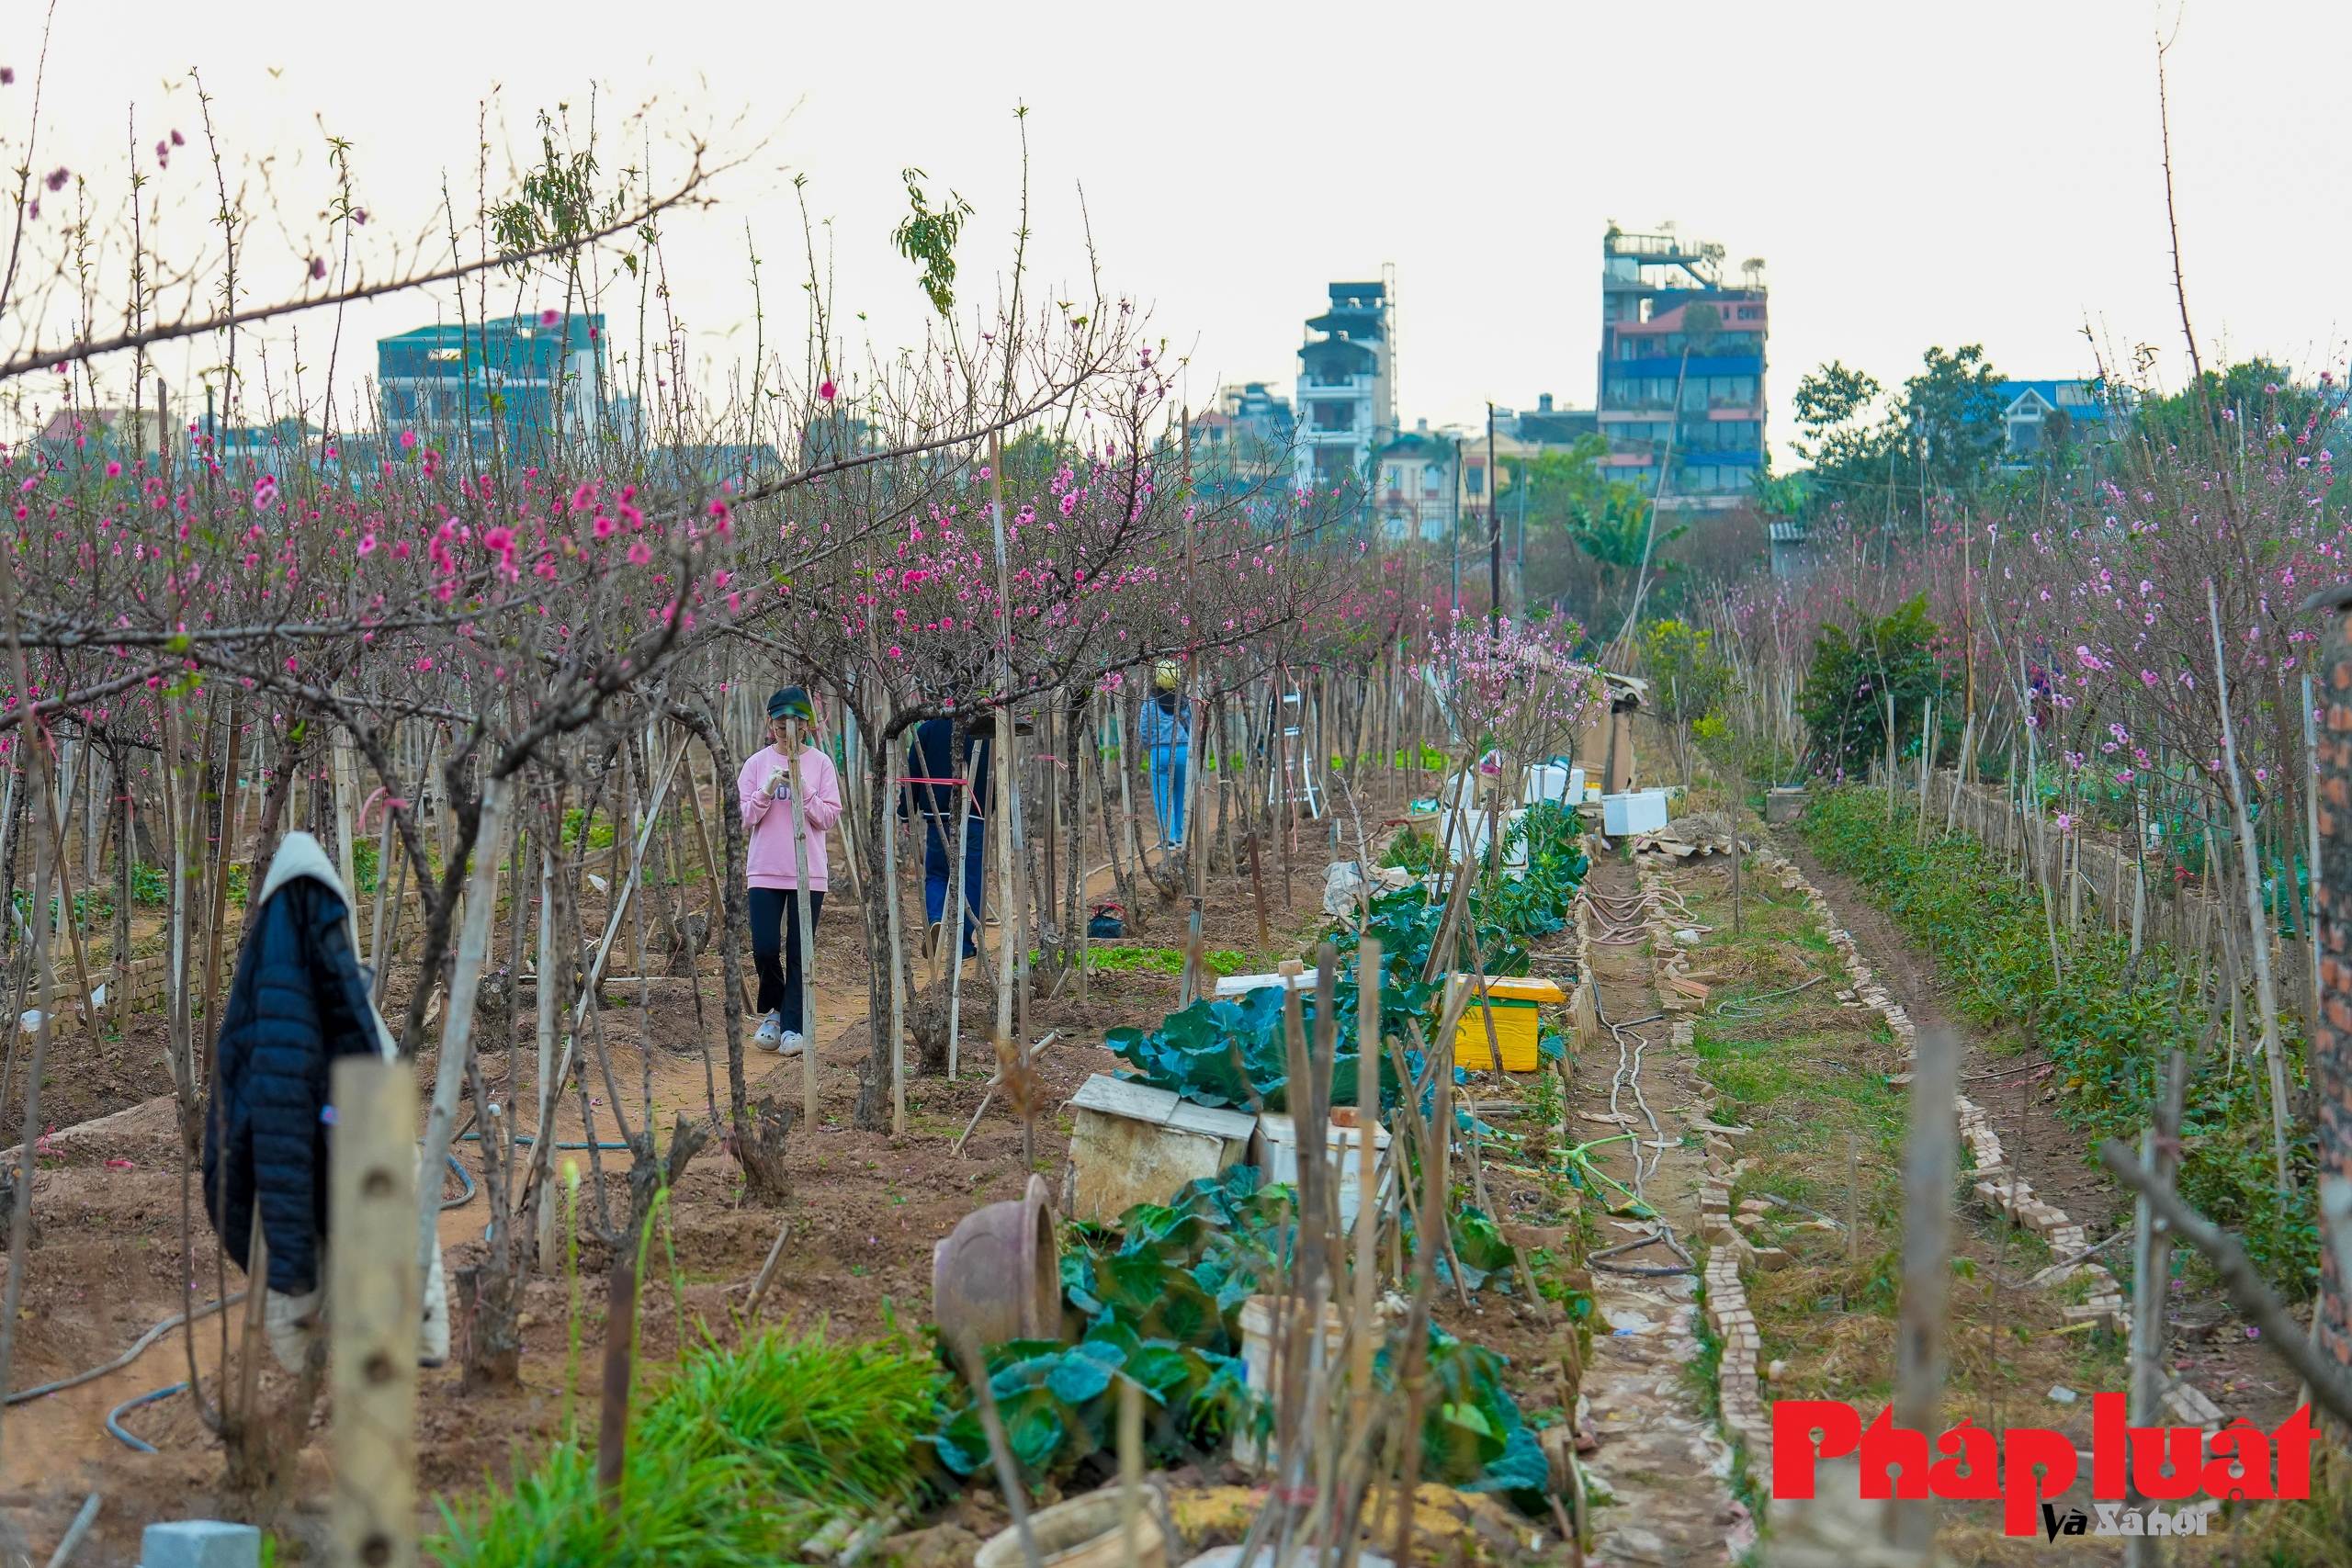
(1586, 531)
(1702, 325)
(1943, 434)
(1952, 411)
(2259, 391)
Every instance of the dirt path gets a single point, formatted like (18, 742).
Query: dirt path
(1659, 1457)
(2210, 1346)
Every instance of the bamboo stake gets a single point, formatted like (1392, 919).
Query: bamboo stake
(2311, 812)
(808, 1020)
(465, 979)
(543, 1124)
(897, 962)
(2265, 991)
(1367, 1169)
(1002, 796)
(20, 1217)
(229, 803)
(953, 950)
(373, 1174)
(1926, 1270)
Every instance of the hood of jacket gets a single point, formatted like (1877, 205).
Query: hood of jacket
(299, 854)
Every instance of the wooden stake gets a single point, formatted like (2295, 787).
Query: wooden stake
(1920, 1355)
(465, 978)
(1367, 1172)
(897, 962)
(377, 1292)
(807, 1021)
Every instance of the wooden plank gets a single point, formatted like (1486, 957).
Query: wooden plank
(376, 1289)
(1117, 1096)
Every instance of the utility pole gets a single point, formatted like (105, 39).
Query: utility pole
(1456, 551)
(1519, 560)
(1494, 525)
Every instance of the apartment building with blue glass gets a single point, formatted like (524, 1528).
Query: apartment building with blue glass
(1682, 377)
(521, 375)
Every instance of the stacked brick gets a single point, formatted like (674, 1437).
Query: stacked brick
(1739, 1391)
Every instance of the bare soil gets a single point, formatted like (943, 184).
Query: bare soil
(863, 1215)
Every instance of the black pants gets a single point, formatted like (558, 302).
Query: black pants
(775, 949)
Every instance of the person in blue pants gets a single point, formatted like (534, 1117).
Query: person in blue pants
(937, 805)
(1167, 733)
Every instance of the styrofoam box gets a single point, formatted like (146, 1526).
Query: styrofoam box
(1643, 811)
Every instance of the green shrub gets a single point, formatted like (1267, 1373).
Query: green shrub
(2109, 1028)
(1844, 700)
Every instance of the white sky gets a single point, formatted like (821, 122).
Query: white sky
(1913, 175)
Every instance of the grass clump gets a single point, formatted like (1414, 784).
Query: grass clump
(741, 1455)
(831, 1423)
(677, 1510)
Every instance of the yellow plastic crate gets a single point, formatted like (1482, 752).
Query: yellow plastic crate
(1515, 1023)
(1517, 988)
(1514, 1000)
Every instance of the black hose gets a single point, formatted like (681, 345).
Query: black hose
(114, 1417)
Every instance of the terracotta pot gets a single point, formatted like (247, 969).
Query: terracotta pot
(1085, 1532)
(997, 1275)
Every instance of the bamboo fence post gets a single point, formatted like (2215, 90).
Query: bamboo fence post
(544, 1239)
(897, 959)
(802, 904)
(457, 1030)
(2265, 991)
(373, 1180)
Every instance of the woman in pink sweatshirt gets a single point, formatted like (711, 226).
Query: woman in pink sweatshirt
(764, 787)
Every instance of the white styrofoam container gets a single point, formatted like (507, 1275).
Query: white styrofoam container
(1343, 1160)
(1550, 781)
(1242, 985)
(1514, 854)
(1641, 811)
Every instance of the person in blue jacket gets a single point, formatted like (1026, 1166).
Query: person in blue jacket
(937, 804)
(300, 1001)
(1167, 733)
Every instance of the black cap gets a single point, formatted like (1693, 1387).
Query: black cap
(791, 703)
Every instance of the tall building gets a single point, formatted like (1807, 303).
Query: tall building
(511, 372)
(1681, 383)
(1347, 390)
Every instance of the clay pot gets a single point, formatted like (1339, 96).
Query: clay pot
(997, 1275)
(1085, 1532)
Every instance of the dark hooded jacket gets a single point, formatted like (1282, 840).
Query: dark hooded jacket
(300, 1001)
(932, 755)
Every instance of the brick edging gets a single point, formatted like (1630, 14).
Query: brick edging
(1998, 1186)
